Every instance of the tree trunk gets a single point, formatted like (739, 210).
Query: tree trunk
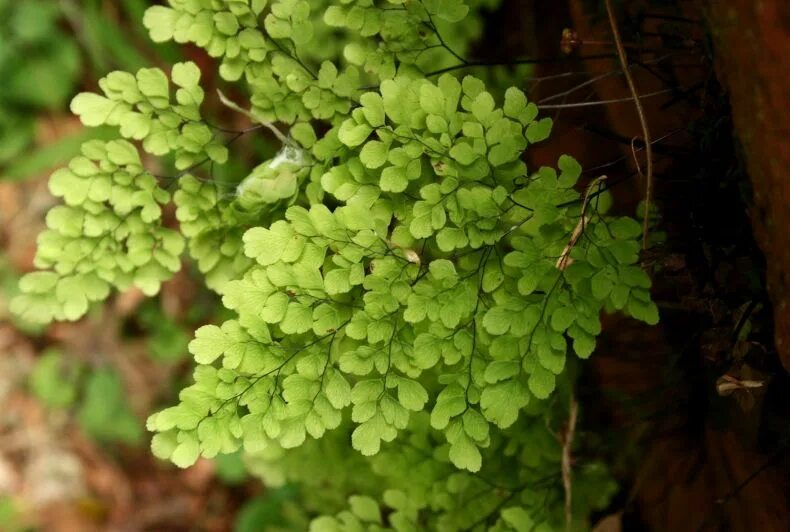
(751, 39)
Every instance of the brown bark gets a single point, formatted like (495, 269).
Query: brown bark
(692, 475)
(752, 40)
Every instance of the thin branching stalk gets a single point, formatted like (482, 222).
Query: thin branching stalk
(642, 119)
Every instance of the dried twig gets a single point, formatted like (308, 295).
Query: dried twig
(567, 444)
(252, 116)
(601, 102)
(565, 257)
(642, 119)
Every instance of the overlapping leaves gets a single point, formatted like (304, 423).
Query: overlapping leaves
(109, 233)
(397, 273)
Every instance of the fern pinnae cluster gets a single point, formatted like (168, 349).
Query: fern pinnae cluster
(397, 273)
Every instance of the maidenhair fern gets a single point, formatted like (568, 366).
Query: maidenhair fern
(402, 283)
(108, 233)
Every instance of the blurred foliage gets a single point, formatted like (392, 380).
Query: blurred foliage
(231, 468)
(98, 396)
(275, 511)
(104, 413)
(54, 380)
(166, 339)
(39, 66)
(47, 47)
(11, 517)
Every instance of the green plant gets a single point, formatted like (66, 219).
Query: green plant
(396, 261)
(104, 413)
(97, 397)
(39, 65)
(54, 381)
